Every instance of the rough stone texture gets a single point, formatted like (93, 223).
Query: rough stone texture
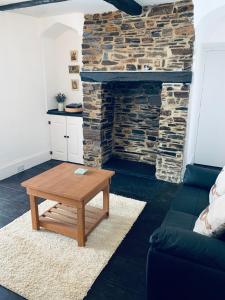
(92, 127)
(98, 123)
(136, 121)
(121, 119)
(108, 101)
(162, 38)
(172, 131)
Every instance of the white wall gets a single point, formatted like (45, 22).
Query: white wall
(23, 127)
(205, 7)
(74, 21)
(51, 79)
(60, 35)
(56, 53)
(209, 28)
(64, 44)
(28, 84)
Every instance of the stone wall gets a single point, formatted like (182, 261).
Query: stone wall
(162, 37)
(121, 119)
(172, 132)
(92, 124)
(108, 101)
(136, 121)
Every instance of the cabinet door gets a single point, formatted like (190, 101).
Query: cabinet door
(58, 137)
(75, 139)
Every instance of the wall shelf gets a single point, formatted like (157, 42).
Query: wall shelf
(64, 113)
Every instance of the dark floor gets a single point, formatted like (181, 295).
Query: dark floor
(124, 276)
(132, 168)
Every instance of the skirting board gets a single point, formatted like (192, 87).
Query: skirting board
(24, 163)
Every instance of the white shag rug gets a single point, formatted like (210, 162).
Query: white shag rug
(48, 266)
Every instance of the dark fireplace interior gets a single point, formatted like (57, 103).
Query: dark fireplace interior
(136, 122)
(130, 124)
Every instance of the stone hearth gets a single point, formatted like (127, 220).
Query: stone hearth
(141, 121)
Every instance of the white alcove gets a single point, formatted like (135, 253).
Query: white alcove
(57, 42)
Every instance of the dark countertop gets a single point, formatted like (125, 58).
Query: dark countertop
(64, 113)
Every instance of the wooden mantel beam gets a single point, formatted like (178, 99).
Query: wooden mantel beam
(131, 7)
(26, 4)
(137, 76)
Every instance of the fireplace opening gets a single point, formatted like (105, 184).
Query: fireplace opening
(130, 126)
(142, 122)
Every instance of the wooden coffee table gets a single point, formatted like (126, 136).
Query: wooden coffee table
(71, 216)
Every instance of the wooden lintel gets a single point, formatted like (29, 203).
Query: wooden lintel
(25, 4)
(130, 7)
(151, 76)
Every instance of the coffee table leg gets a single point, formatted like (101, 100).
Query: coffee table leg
(106, 200)
(81, 227)
(34, 212)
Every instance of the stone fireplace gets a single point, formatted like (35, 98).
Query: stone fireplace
(142, 117)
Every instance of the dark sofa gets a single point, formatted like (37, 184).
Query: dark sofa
(181, 264)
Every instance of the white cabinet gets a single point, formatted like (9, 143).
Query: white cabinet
(58, 137)
(75, 139)
(66, 136)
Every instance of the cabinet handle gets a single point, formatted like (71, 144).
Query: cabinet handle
(65, 136)
(68, 136)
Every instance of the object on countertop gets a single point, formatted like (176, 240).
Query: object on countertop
(60, 98)
(74, 107)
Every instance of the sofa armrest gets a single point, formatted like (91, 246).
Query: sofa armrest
(190, 246)
(181, 279)
(201, 177)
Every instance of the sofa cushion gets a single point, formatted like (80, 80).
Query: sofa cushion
(212, 220)
(180, 220)
(218, 189)
(200, 176)
(190, 200)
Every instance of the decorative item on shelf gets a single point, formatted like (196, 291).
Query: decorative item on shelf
(147, 68)
(74, 55)
(74, 108)
(74, 69)
(75, 84)
(60, 98)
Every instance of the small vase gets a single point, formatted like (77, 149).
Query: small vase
(60, 106)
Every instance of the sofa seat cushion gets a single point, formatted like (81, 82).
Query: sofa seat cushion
(190, 200)
(179, 219)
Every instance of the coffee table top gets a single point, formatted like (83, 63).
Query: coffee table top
(61, 181)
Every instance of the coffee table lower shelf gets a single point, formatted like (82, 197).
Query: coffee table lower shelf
(63, 219)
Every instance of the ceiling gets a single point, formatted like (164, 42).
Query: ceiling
(71, 6)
